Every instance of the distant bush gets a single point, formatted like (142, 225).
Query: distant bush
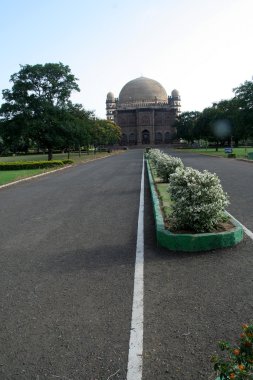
(198, 200)
(67, 162)
(167, 165)
(154, 155)
(21, 165)
(164, 164)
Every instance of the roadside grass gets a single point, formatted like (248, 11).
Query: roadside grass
(14, 175)
(240, 152)
(57, 156)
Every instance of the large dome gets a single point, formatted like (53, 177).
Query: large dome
(142, 89)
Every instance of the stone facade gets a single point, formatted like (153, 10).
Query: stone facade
(144, 112)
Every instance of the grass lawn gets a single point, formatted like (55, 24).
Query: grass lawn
(240, 152)
(58, 156)
(14, 175)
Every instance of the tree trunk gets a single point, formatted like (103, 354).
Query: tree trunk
(50, 154)
(68, 153)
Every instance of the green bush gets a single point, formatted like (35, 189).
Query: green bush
(231, 155)
(198, 200)
(154, 155)
(21, 165)
(67, 162)
(164, 164)
(167, 165)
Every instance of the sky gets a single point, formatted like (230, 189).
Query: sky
(203, 48)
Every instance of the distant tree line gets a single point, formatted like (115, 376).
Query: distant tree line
(225, 121)
(37, 113)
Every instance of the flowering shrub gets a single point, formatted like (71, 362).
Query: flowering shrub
(154, 155)
(164, 164)
(198, 200)
(167, 165)
(239, 363)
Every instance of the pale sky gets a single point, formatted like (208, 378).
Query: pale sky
(203, 48)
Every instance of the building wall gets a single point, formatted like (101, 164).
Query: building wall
(157, 122)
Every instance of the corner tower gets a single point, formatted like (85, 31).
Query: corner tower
(175, 101)
(110, 106)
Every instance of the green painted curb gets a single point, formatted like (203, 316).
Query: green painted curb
(190, 242)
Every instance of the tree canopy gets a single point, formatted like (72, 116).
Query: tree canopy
(37, 110)
(224, 121)
(35, 106)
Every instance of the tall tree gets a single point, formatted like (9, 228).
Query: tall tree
(105, 132)
(79, 124)
(185, 125)
(39, 95)
(244, 98)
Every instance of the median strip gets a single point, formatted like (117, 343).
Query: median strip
(188, 242)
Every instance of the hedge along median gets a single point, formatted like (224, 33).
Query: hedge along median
(22, 165)
(186, 241)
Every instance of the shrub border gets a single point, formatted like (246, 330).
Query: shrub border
(50, 172)
(190, 242)
(22, 165)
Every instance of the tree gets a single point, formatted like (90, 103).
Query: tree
(112, 132)
(244, 98)
(13, 135)
(185, 125)
(228, 122)
(39, 95)
(105, 132)
(202, 128)
(79, 124)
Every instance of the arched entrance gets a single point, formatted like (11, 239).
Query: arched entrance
(158, 138)
(145, 137)
(167, 138)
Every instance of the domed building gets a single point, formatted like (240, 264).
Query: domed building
(144, 112)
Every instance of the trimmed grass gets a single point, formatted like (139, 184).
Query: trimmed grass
(14, 175)
(58, 156)
(164, 198)
(240, 152)
(163, 195)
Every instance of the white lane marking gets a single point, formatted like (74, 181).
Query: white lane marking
(246, 230)
(134, 369)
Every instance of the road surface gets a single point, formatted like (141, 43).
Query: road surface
(67, 259)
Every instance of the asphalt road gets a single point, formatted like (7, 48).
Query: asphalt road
(67, 265)
(192, 300)
(67, 253)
